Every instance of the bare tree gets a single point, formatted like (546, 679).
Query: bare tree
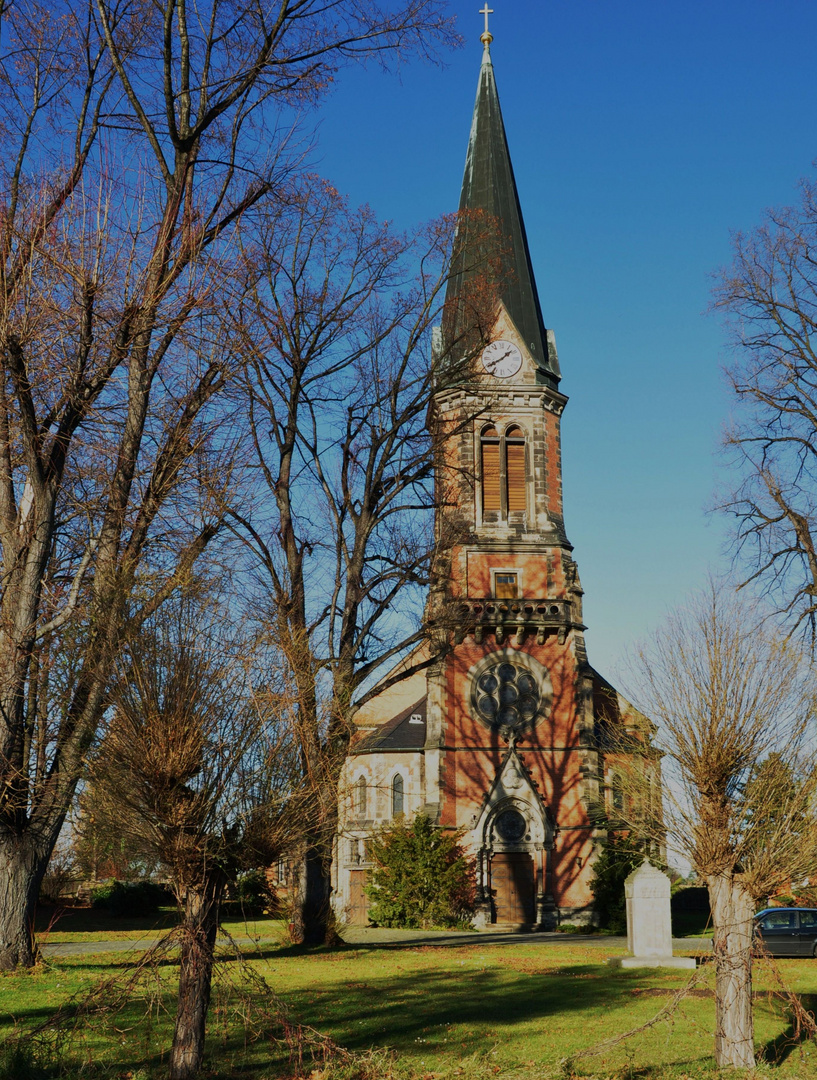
(729, 696)
(136, 140)
(194, 764)
(769, 297)
(337, 328)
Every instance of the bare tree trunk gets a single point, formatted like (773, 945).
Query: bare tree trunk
(732, 910)
(200, 926)
(20, 875)
(312, 920)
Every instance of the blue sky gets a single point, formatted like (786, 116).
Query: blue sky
(642, 135)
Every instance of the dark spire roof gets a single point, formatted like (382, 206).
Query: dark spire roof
(488, 185)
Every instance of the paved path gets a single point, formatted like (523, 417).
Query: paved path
(376, 937)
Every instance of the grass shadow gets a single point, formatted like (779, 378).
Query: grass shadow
(88, 920)
(405, 1010)
(776, 1050)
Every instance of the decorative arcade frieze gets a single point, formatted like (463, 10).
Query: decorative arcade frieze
(516, 619)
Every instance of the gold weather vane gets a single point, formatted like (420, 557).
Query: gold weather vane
(486, 37)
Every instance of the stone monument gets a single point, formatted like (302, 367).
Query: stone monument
(649, 925)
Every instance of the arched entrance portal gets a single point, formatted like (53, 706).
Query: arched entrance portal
(513, 860)
(513, 876)
(513, 884)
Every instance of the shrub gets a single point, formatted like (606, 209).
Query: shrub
(422, 877)
(128, 898)
(806, 895)
(619, 856)
(252, 895)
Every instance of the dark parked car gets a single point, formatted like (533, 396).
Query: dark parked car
(787, 931)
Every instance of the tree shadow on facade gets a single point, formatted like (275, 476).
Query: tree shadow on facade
(552, 756)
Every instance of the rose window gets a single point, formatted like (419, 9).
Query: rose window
(507, 697)
(510, 826)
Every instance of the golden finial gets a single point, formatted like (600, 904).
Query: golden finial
(486, 37)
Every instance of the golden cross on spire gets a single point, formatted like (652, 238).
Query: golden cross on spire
(486, 37)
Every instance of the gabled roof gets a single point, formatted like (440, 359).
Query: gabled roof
(488, 185)
(404, 732)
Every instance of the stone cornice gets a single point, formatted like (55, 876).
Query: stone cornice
(505, 618)
(478, 399)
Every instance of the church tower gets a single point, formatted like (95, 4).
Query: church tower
(500, 735)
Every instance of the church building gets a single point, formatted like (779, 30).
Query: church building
(503, 733)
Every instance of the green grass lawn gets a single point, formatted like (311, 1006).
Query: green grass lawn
(468, 1011)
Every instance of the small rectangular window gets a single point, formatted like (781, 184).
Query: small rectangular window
(506, 586)
(617, 794)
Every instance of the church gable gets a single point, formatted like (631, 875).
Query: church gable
(513, 811)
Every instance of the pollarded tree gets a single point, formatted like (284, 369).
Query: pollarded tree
(194, 763)
(733, 707)
(136, 140)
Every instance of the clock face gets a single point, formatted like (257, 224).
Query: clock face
(501, 359)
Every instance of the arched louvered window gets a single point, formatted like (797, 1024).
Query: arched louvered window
(489, 446)
(515, 470)
(397, 796)
(503, 472)
(362, 798)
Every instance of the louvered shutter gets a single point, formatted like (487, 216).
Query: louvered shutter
(490, 477)
(517, 495)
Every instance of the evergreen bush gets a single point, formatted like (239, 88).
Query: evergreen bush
(619, 856)
(422, 877)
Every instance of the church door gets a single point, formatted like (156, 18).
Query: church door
(512, 882)
(358, 901)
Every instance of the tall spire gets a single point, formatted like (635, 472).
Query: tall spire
(488, 185)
